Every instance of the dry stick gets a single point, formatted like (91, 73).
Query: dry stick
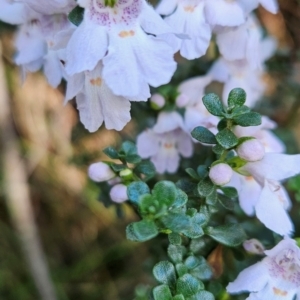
(17, 196)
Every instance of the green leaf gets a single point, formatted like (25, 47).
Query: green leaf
(240, 110)
(133, 159)
(176, 222)
(218, 149)
(237, 97)
(162, 292)
(145, 202)
(141, 231)
(226, 202)
(248, 119)
(76, 15)
(203, 270)
(175, 238)
(195, 230)
(137, 189)
(230, 235)
(203, 135)
(181, 269)
(192, 173)
(202, 171)
(178, 297)
(212, 198)
(187, 285)
(165, 192)
(213, 104)
(147, 168)
(128, 148)
(222, 124)
(229, 191)
(164, 272)
(118, 167)
(186, 185)
(192, 262)
(111, 152)
(227, 139)
(205, 187)
(203, 295)
(175, 252)
(181, 198)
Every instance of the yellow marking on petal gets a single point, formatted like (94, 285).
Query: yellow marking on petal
(97, 81)
(189, 8)
(168, 145)
(279, 292)
(249, 178)
(126, 33)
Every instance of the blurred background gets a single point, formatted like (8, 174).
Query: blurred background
(46, 151)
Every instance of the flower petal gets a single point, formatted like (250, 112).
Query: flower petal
(86, 48)
(270, 211)
(252, 279)
(168, 121)
(147, 143)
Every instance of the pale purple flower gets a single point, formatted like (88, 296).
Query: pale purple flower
(118, 193)
(128, 40)
(220, 174)
(165, 142)
(276, 277)
(188, 18)
(100, 171)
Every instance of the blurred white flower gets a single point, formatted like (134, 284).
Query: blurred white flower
(100, 172)
(164, 143)
(118, 193)
(276, 277)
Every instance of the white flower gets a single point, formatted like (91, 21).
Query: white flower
(260, 191)
(128, 40)
(242, 42)
(100, 172)
(96, 102)
(15, 13)
(276, 277)
(164, 143)
(41, 42)
(254, 246)
(49, 7)
(188, 18)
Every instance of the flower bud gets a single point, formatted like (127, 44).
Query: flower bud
(118, 193)
(251, 150)
(157, 101)
(220, 174)
(100, 172)
(126, 174)
(254, 246)
(182, 100)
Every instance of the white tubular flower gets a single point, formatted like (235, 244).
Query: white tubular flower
(188, 18)
(264, 134)
(48, 7)
(157, 101)
(15, 13)
(96, 102)
(132, 59)
(41, 42)
(242, 42)
(164, 143)
(118, 193)
(262, 193)
(276, 277)
(220, 174)
(100, 172)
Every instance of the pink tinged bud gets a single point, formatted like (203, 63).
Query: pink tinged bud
(182, 100)
(254, 246)
(118, 193)
(100, 172)
(220, 174)
(157, 101)
(251, 150)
